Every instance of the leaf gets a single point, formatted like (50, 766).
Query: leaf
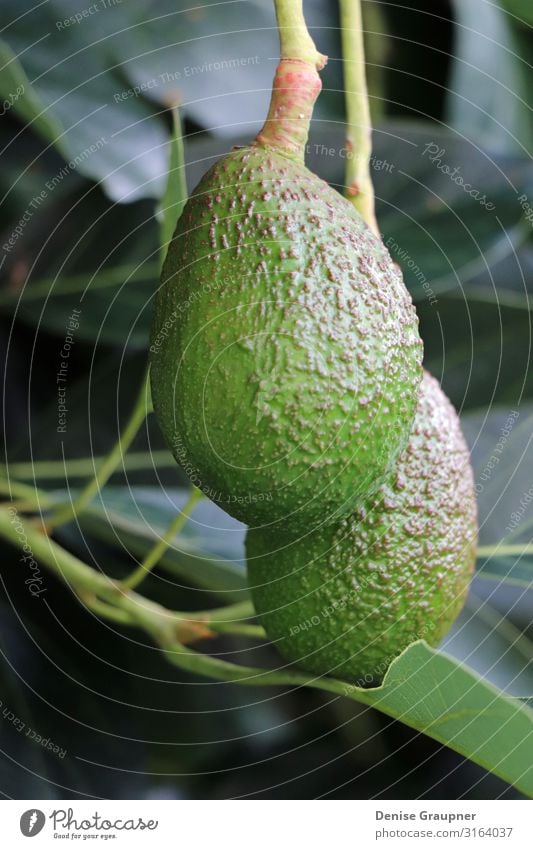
(516, 569)
(16, 89)
(492, 646)
(209, 552)
(427, 690)
(114, 313)
(113, 289)
(521, 8)
(443, 236)
(125, 61)
(487, 96)
(218, 60)
(175, 196)
(479, 351)
(435, 694)
(501, 448)
(120, 143)
(21, 761)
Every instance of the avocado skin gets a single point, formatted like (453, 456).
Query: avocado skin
(285, 355)
(346, 599)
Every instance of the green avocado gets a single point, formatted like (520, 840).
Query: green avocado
(347, 598)
(285, 355)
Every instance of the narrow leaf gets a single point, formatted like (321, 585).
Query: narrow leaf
(175, 196)
(17, 93)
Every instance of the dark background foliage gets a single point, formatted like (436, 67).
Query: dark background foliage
(448, 74)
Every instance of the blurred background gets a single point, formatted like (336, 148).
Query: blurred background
(86, 92)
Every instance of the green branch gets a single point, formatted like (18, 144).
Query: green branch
(467, 714)
(154, 555)
(81, 467)
(67, 513)
(501, 550)
(232, 612)
(294, 38)
(110, 598)
(78, 282)
(175, 196)
(359, 187)
(26, 493)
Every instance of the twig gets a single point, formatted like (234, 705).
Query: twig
(359, 187)
(67, 512)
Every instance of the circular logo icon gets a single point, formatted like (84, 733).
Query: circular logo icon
(32, 822)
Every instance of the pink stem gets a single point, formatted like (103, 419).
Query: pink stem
(295, 89)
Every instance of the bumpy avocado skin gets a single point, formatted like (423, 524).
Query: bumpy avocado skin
(348, 598)
(285, 355)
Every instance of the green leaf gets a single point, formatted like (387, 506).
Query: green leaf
(209, 552)
(175, 196)
(427, 690)
(501, 449)
(218, 60)
(516, 568)
(491, 645)
(480, 350)
(435, 694)
(444, 236)
(16, 89)
(500, 442)
(75, 75)
(19, 755)
(124, 62)
(521, 8)
(113, 289)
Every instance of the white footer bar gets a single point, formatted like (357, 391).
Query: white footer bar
(267, 824)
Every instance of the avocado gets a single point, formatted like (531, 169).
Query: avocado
(346, 598)
(285, 355)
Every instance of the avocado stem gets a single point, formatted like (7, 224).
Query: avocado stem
(359, 187)
(294, 38)
(296, 83)
(295, 89)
